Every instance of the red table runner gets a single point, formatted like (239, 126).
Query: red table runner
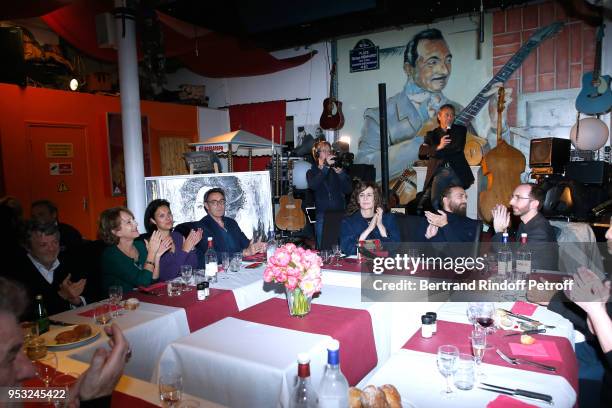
(351, 327)
(458, 334)
(200, 313)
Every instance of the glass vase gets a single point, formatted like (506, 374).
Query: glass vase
(298, 302)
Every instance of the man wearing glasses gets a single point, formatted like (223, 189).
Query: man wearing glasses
(226, 233)
(526, 202)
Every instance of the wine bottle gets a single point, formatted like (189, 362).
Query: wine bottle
(211, 261)
(303, 395)
(42, 318)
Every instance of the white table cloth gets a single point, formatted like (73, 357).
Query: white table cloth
(415, 374)
(149, 329)
(244, 364)
(247, 285)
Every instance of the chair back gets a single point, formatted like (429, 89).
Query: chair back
(331, 228)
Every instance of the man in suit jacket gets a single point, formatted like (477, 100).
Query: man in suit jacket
(451, 223)
(42, 273)
(526, 202)
(447, 164)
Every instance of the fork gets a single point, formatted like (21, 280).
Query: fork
(516, 361)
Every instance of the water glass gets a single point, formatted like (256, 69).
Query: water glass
(46, 368)
(115, 295)
(447, 364)
(236, 262)
(226, 258)
(30, 331)
(479, 346)
(170, 389)
(464, 376)
(337, 254)
(175, 287)
(103, 314)
(186, 274)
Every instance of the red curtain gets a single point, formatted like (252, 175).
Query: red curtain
(219, 55)
(258, 118)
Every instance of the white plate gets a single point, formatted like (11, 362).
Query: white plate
(49, 337)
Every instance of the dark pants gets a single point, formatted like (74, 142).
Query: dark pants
(444, 177)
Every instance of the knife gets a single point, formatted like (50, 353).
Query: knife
(518, 316)
(58, 323)
(518, 392)
(533, 331)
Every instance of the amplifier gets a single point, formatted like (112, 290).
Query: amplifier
(589, 172)
(549, 152)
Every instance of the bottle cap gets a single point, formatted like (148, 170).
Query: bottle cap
(201, 286)
(505, 234)
(38, 297)
(425, 319)
(523, 235)
(433, 315)
(303, 358)
(209, 239)
(333, 345)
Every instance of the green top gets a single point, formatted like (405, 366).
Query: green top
(121, 270)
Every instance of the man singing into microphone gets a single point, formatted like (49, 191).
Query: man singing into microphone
(447, 164)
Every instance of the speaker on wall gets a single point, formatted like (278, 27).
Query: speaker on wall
(12, 68)
(549, 152)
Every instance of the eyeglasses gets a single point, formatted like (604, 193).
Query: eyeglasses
(216, 203)
(518, 197)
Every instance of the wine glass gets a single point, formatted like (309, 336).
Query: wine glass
(46, 368)
(186, 274)
(472, 312)
(170, 389)
(65, 382)
(479, 346)
(486, 313)
(115, 294)
(447, 364)
(103, 314)
(337, 254)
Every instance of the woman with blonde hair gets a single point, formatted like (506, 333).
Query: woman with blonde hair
(366, 220)
(127, 261)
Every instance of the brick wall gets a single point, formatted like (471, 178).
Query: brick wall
(558, 63)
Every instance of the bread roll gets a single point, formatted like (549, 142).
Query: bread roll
(394, 400)
(355, 398)
(373, 398)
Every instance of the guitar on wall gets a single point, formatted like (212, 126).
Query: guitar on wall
(332, 117)
(474, 146)
(595, 98)
(290, 216)
(395, 192)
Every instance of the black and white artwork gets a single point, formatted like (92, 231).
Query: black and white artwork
(248, 196)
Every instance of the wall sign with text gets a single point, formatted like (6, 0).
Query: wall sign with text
(364, 56)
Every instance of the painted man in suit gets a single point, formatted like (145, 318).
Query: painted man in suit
(428, 65)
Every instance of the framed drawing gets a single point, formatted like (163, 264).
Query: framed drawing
(115, 151)
(248, 196)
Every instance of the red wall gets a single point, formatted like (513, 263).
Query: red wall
(557, 64)
(21, 105)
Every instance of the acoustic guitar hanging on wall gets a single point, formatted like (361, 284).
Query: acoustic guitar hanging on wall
(332, 117)
(595, 98)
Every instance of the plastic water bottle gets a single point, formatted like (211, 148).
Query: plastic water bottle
(334, 388)
(272, 245)
(523, 258)
(212, 265)
(304, 395)
(504, 257)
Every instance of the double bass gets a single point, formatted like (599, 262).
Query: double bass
(503, 166)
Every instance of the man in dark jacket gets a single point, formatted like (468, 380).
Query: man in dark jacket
(330, 184)
(446, 161)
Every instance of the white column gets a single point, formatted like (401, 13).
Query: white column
(125, 27)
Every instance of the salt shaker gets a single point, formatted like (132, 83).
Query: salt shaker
(203, 290)
(434, 316)
(426, 326)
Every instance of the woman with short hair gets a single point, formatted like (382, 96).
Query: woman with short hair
(128, 262)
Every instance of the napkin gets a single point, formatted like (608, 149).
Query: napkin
(151, 288)
(90, 312)
(504, 401)
(523, 308)
(540, 349)
(255, 258)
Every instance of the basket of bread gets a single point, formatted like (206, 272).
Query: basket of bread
(385, 396)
